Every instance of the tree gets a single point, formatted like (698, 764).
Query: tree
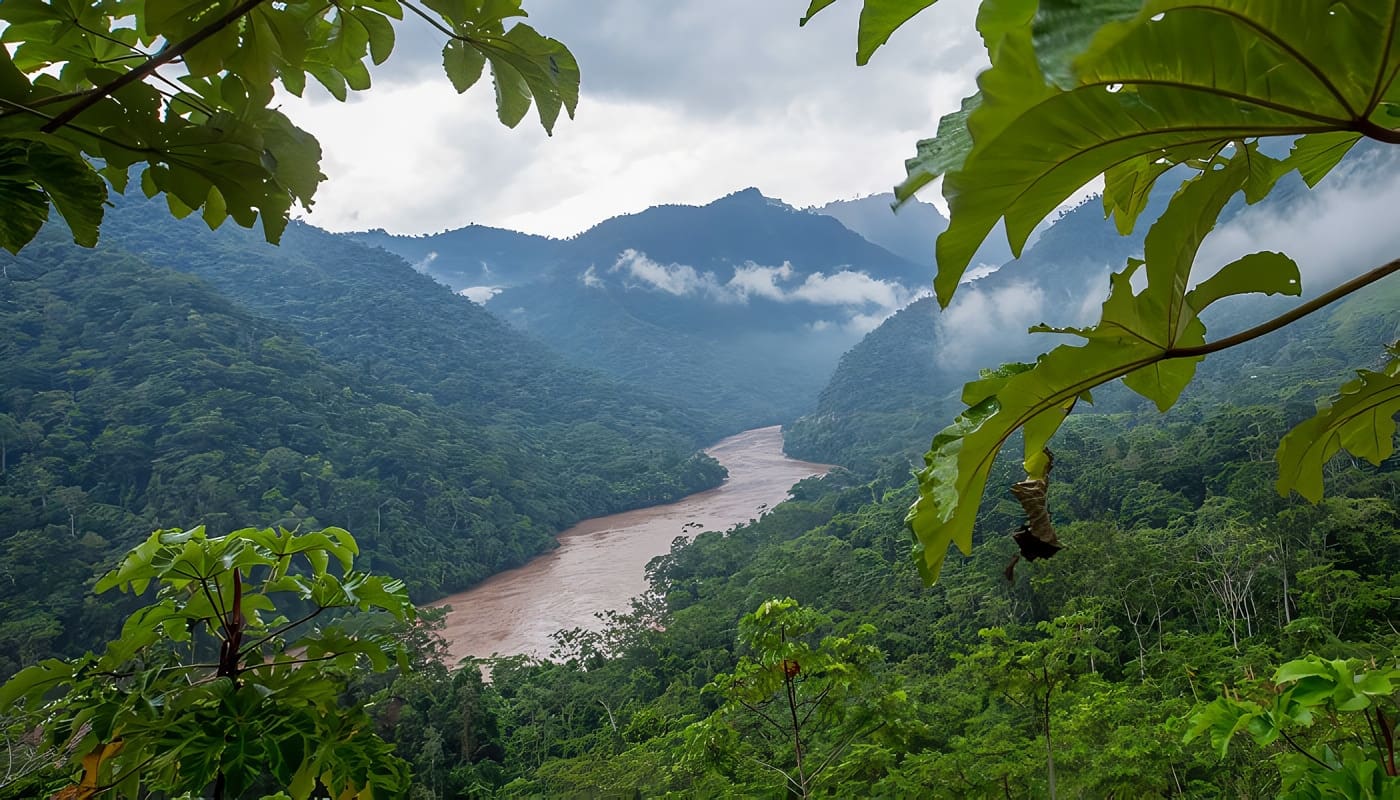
(795, 708)
(229, 681)
(1136, 91)
(186, 87)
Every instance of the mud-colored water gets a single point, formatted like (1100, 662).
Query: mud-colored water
(600, 563)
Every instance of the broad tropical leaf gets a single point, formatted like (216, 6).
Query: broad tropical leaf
(1052, 119)
(216, 144)
(1360, 419)
(1138, 339)
(878, 21)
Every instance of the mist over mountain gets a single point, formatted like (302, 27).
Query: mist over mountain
(474, 256)
(896, 388)
(738, 309)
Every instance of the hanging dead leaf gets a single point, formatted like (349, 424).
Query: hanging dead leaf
(1036, 536)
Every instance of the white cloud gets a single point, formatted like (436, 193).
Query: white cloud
(480, 294)
(422, 264)
(982, 321)
(590, 278)
(847, 288)
(862, 324)
(978, 271)
(754, 280)
(676, 279)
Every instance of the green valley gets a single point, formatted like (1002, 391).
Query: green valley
(1102, 494)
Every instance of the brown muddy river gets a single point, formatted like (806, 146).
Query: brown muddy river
(600, 563)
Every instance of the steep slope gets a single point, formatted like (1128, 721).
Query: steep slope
(363, 395)
(737, 309)
(364, 309)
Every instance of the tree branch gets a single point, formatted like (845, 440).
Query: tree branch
(759, 711)
(1291, 316)
(167, 54)
(250, 647)
(1310, 756)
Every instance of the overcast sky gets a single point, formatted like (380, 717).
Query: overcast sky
(682, 102)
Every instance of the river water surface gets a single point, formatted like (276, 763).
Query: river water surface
(600, 563)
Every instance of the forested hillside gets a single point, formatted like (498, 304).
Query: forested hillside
(737, 309)
(1184, 577)
(325, 383)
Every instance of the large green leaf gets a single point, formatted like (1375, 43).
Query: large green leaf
(25, 207)
(1257, 68)
(74, 187)
(217, 145)
(1136, 339)
(1360, 418)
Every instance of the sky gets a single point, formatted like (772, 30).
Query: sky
(681, 102)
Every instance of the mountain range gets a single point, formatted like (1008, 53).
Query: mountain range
(738, 309)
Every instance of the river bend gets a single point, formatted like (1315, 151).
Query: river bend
(600, 563)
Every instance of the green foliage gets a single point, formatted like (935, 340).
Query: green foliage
(792, 706)
(1328, 694)
(83, 98)
(211, 685)
(878, 21)
(134, 396)
(1189, 574)
(1133, 92)
(1361, 419)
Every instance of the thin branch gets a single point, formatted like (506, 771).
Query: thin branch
(443, 29)
(218, 606)
(1389, 733)
(165, 56)
(815, 703)
(118, 781)
(778, 770)
(254, 645)
(1310, 756)
(1292, 315)
(293, 662)
(758, 711)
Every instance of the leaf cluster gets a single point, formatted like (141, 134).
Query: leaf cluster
(185, 89)
(230, 677)
(1314, 691)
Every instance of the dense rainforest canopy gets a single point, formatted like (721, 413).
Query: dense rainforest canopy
(1216, 627)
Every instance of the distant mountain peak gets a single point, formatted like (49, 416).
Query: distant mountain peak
(748, 197)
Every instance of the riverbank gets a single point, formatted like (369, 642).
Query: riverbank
(600, 563)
